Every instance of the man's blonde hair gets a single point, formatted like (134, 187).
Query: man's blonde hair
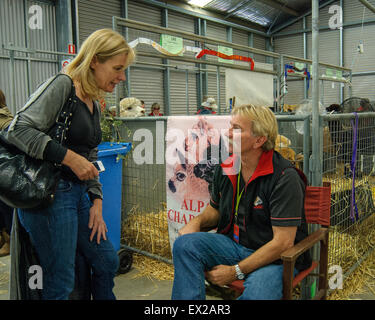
(263, 121)
(104, 44)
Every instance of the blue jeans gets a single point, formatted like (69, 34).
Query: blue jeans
(198, 252)
(57, 231)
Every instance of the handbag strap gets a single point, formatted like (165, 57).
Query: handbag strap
(64, 119)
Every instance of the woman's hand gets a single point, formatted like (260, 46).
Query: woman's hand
(82, 168)
(96, 222)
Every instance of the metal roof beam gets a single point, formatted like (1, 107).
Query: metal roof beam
(368, 5)
(294, 20)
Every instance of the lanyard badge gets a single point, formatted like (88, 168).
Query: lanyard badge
(236, 233)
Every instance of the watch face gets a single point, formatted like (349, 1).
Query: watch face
(240, 275)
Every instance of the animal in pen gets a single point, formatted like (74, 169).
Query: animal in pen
(342, 135)
(129, 107)
(341, 202)
(282, 146)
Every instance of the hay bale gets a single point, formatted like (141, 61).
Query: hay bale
(346, 249)
(341, 189)
(151, 268)
(357, 282)
(148, 232)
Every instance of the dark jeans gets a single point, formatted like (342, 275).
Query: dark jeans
(197, 252)
(56, 232)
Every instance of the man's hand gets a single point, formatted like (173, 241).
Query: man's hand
(221, 275)
(96, 222)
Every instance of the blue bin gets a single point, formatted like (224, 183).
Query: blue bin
(111, 179)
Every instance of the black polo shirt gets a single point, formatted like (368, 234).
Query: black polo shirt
(274, 196)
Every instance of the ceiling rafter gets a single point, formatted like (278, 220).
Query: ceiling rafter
(281, 6)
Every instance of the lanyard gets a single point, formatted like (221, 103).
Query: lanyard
(238, 198)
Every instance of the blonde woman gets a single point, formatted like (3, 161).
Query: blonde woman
(75, 218)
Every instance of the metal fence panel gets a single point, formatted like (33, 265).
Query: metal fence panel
(145, 225)
(349, 164)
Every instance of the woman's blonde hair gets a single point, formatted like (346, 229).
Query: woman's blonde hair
(263, 121)
(102, 44)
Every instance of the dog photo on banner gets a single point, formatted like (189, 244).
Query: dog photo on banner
(195, 145)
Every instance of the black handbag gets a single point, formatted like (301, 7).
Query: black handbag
(26, 182)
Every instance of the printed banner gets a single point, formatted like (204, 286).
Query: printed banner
(159, 48)
(227, 51)
(172, 44)
(194, 146)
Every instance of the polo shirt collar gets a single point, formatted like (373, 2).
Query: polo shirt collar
(264, 167)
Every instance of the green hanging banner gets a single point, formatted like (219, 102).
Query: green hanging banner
(172, 44)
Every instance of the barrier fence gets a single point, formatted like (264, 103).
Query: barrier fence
(145, 225)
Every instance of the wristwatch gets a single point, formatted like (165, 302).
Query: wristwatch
(240, 275)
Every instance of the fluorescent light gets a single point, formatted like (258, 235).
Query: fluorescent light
(200, 3)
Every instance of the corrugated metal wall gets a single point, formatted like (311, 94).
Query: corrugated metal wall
(28, 72)
(329, 52)
(94, 15)
(183, 87)
(363, 86)
(292, 45)
(147, 82)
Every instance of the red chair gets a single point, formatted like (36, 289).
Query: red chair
(317, 211)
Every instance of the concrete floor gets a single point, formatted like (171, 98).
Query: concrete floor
(129, 287)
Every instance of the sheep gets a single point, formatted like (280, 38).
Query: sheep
(129, 107)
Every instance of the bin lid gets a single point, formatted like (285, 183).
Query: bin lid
(111, 148)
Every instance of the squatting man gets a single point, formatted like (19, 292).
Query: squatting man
(258, 213)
